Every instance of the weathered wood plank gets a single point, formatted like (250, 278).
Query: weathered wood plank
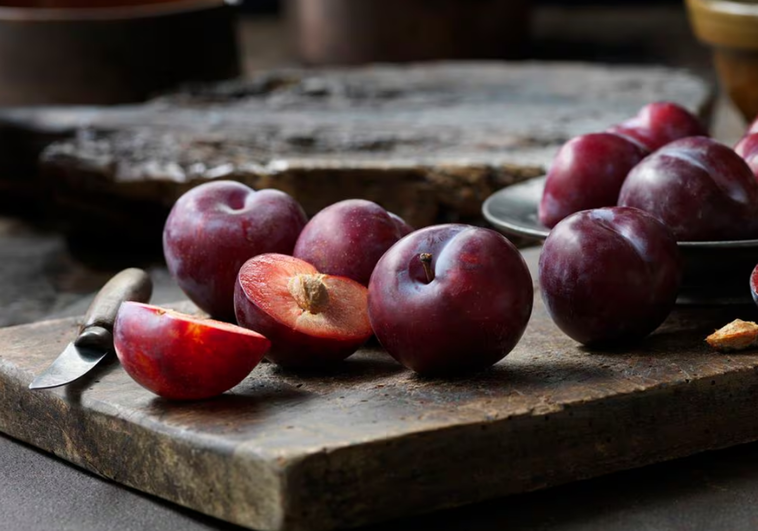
(372, 441)
(429, 141)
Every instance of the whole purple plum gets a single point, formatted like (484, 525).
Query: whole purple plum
(700, 189)
(450, 298)
(660, 123)
(348, 238)
(609, 275)
(747, 148)
(215, 228)
(587, 172)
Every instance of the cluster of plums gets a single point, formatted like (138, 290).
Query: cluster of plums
(444, 298)
(619, 201)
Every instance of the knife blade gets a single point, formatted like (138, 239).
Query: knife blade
(95, 338)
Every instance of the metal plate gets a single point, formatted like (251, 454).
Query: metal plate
(715, 272)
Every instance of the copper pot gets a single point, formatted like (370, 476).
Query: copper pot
(360, 31)
(111, 51)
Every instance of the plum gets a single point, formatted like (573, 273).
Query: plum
(348, 238)
(215, 227)
(747, 148)
(660, 123)
(183, 357)
(609, 275)
(312, 319)
(697, 187)
(754, 284)
(450, 298)
(587, 172)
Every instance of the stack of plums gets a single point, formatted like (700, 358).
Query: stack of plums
(619, 201)
(305, 294)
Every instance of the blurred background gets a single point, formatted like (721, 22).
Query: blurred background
(74, 53)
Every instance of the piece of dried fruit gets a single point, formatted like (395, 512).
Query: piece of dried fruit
(737, 335)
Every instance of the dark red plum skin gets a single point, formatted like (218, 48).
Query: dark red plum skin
(660, 123)
(470, 316)
(609, 276)
(215, 227)
(348, 238)
(747, 148)
(587, 172)
(754, 284)
(700, 189)
(292, 349)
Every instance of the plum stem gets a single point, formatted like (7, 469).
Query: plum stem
(310, 292)
(426, 262)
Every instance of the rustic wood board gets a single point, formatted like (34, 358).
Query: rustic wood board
(428, 141)
(372, 441)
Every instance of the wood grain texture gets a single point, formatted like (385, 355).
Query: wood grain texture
(372, 441)
(428, 141)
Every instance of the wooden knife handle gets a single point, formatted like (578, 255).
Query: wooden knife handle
(129, 285)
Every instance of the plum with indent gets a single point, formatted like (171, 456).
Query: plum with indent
(215, 227)
(609, 275)
(700, 189)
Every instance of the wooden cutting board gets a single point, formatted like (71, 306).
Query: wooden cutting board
(372, 441)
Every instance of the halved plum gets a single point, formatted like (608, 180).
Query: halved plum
(312, 319)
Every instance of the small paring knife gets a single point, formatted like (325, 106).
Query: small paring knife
(95, 339)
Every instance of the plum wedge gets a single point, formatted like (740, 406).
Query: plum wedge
(183, 357)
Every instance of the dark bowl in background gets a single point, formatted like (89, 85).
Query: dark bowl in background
(115, 51)
(364, 31)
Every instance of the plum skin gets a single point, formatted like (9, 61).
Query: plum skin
(754, 284)
(215, 227)
(587, 172)
(609, 276)
(348, 238)
(747, 148)
(471, 314)
(697, 187)
(181, 357)
(659, 123)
